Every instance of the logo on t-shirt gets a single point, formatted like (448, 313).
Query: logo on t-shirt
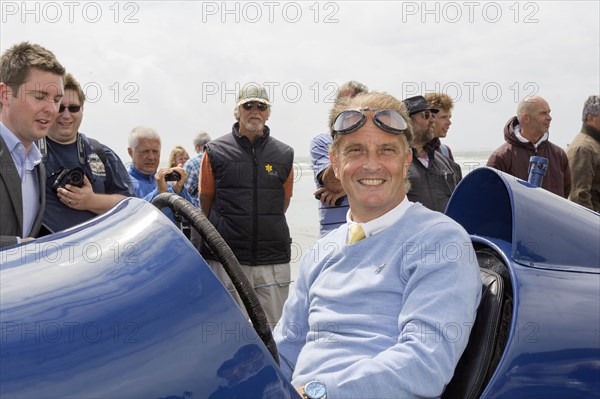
(96, 165)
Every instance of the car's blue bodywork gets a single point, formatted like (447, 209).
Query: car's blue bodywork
(123, 306)
(552, 249)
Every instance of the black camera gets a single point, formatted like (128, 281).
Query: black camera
(66, 176)
(173, 176)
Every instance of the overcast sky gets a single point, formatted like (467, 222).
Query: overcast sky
(177, 66)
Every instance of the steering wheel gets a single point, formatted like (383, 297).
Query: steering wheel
(225, 255)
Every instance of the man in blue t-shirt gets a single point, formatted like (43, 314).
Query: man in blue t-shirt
(333, 203)
(84, 178)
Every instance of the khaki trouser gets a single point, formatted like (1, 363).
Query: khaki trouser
(270, 282)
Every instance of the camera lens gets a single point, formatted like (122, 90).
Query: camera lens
(76, 178)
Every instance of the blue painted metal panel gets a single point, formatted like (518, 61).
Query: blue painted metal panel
(545, 230)
(553, 349)
(121, 307)
(552, 249)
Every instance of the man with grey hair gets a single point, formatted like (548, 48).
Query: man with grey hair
(584, 158)
(31, 87)
(147, 179)
(333, 203)
(192, 166)
(526, 135)
(246, 182)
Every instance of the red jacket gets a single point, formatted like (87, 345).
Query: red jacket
(513, 156)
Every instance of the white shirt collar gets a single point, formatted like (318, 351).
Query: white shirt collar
(384, 221)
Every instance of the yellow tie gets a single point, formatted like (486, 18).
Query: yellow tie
(356, 233)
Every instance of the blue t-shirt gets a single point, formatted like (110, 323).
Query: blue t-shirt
(331, 217)
(106, 178)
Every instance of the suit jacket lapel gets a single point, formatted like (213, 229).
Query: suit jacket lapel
(10, 175)
(37, 223)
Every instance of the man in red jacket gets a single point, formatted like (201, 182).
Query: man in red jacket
(527, 135)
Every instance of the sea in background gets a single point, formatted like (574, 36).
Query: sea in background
(303, 216)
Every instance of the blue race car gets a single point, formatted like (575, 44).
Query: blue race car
(123, 306)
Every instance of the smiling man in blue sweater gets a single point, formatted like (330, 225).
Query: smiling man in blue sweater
(387, 316)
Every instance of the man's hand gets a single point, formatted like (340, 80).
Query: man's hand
(75, 197)
(163, 186)
(85, 199)
(330, 182)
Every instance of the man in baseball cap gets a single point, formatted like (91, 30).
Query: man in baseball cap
(246, 181)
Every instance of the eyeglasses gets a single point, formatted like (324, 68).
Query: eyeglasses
(386, 119)
(72, 108)
(427, 114)
(251, 104)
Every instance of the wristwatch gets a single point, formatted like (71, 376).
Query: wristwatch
(315, 390)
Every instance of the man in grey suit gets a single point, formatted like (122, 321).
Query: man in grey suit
(31, 87)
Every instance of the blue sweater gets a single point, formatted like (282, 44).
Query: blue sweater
(387, 317)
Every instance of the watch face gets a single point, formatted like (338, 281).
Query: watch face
(315, 390)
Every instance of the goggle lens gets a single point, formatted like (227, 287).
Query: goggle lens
(386, 119)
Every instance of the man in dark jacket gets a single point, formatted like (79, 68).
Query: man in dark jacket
(246, 181)
(432, 176)
(527, 135)
(584, 157)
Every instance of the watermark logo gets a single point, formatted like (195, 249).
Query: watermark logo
(270, 11)
(288, 92)
(70, 11)
(471, 92)
(453, 12)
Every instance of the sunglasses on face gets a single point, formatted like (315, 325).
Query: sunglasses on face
(427, 114)
(72, 108)
(386, 119)
(252, 104)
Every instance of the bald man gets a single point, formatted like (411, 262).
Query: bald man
(526, 135)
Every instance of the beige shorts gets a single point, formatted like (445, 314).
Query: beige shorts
(270, 282)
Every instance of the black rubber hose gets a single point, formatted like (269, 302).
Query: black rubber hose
(225, 255)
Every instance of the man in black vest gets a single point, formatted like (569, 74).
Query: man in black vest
(246, 184)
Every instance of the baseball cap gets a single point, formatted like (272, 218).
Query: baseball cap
(253, 93)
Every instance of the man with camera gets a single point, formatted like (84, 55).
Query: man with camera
(84, 178)
(148, 181)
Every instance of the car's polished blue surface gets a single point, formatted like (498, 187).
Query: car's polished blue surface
(124, 307)
(552, 249)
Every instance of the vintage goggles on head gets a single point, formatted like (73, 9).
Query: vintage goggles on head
(386, 119)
